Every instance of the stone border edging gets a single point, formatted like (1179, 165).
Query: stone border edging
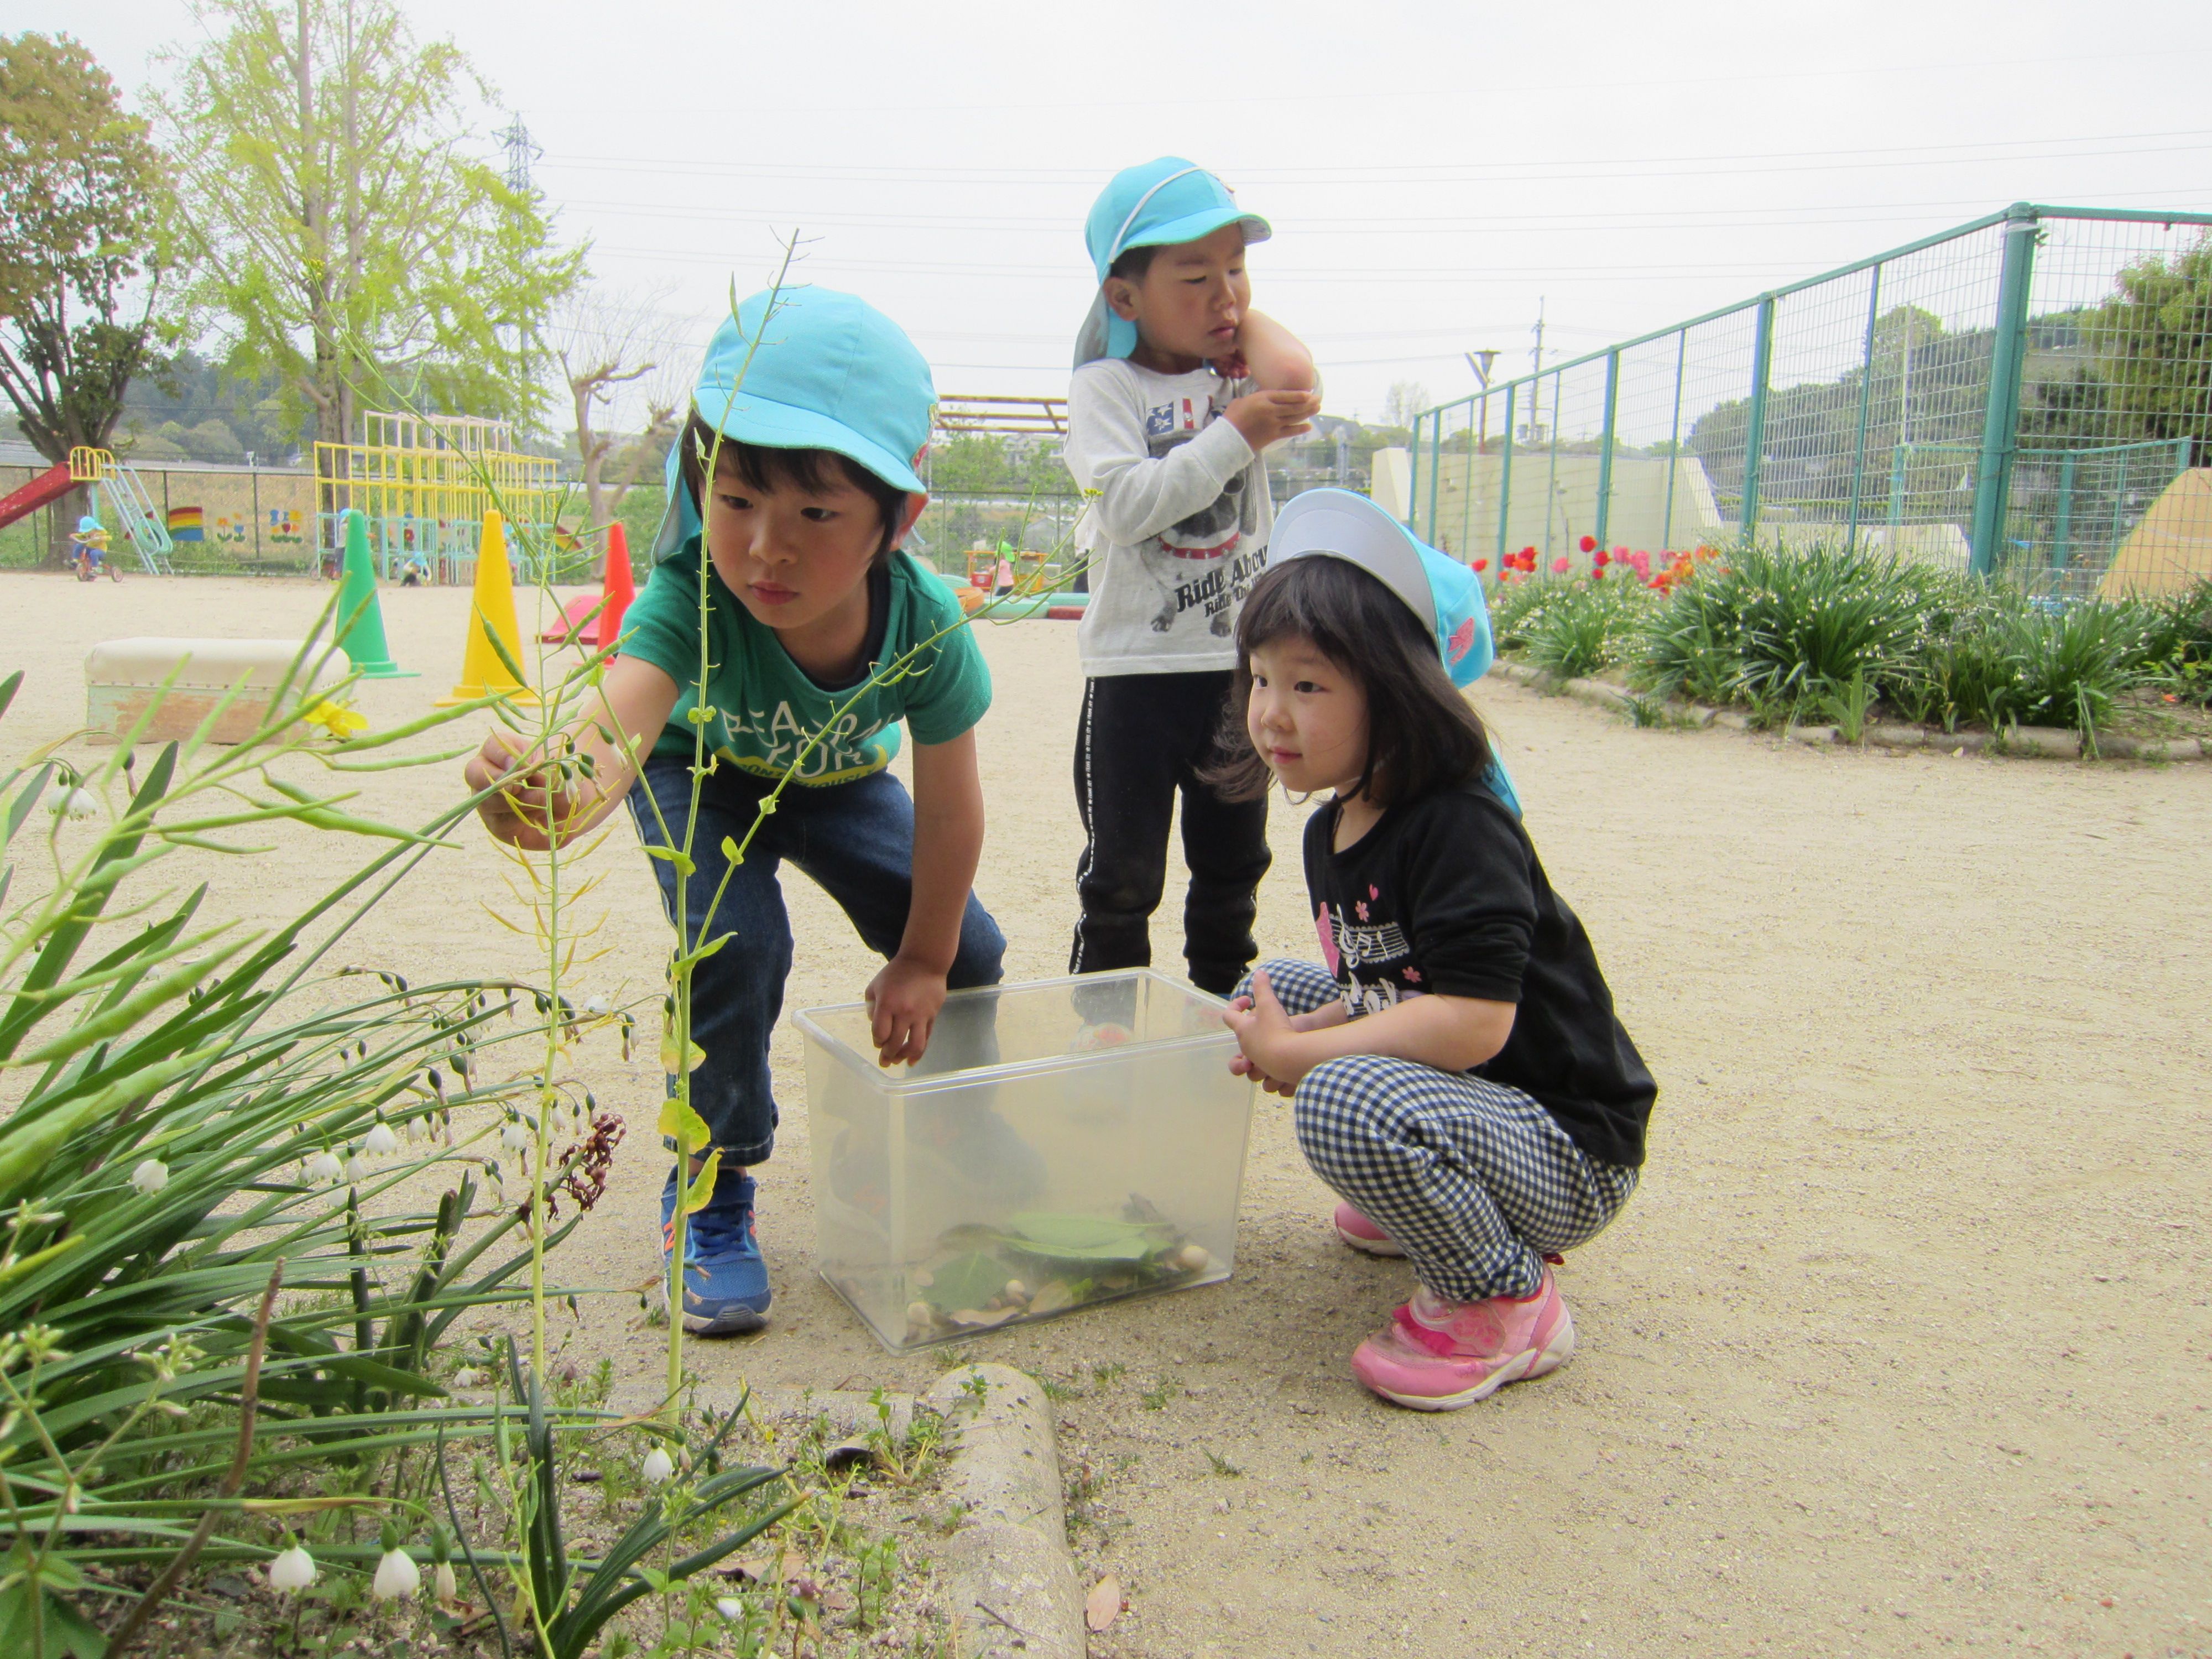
(1009, 1575)
(2044, 742)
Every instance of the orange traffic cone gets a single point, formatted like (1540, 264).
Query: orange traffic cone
(577, 624)
(482, 669)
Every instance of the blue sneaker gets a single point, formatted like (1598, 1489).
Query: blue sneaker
(725, 1280)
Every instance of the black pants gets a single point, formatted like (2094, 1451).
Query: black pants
(1143, 737)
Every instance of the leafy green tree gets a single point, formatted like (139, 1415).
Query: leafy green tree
(2153, 339)
(341, 231)
(81, 199)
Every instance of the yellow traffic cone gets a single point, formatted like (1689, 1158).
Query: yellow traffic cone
(482, 670)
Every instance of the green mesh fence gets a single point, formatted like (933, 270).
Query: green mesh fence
(2029, 394)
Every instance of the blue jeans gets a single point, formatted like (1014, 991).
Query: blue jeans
(856, 840)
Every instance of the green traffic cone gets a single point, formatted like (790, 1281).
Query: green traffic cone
(360, 616)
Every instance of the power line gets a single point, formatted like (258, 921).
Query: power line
(1349, 175)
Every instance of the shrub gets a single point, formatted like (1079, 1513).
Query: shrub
(2177, 645)
(203, 1115)
(1583, 626)
(2072, 663)
(1808, 622)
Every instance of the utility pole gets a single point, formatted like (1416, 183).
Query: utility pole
(1482, 362)
(520, 152)
(1536, 383)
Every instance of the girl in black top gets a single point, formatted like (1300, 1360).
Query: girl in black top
(1460, 1076)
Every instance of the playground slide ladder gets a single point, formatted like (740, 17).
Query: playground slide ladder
(142, 522)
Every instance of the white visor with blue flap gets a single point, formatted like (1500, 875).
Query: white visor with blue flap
(1438, 588)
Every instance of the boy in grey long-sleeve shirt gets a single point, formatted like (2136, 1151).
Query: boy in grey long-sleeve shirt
(1179, 388)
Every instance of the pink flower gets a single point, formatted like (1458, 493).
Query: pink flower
(1561, 563)
(1361, 907)
(1412, 974)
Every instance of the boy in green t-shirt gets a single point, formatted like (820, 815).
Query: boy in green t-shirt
(809, 595)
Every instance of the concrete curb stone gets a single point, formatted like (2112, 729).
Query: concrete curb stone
(2150, 749)
(1597, 691)
(2050, 742)
(1011, 1581)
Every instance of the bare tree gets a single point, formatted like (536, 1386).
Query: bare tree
(1405, 399)
(605, 341)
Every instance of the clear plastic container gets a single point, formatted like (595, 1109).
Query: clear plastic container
(1065, 1143)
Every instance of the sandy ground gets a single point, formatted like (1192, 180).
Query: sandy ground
(1904, 1345)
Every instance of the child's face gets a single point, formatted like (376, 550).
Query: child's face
(1307, 717)
(795, 558)
(1189, 303)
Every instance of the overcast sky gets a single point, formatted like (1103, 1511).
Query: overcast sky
(1433, 171)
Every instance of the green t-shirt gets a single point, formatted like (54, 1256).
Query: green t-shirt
(766, 707)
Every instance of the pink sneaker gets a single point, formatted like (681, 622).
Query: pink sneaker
(1357, 1231)
(1436, 1356)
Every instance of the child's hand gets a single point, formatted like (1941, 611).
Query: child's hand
(903, 1003)
(1266, 417)
(538, 802)
(1268, 1037)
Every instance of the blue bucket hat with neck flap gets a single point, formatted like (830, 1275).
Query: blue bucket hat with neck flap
(808, 368)
(1156, 205)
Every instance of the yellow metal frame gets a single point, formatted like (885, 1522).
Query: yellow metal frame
(442, 467)
(89, 466)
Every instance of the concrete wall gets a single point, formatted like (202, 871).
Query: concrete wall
(1554, 503)
(261, 517)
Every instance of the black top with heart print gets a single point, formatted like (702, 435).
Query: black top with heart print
(1446, 895)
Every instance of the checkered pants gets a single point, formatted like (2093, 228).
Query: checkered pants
(1476, 1181)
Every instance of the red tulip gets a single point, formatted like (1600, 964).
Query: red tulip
(1600, 559)
(1482, 564)
(1589, 543)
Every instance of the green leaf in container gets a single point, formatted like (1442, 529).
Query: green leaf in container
(1086, 1238)
(966, 1281)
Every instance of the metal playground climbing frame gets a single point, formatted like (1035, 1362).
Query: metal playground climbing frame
(424, 484)
(2029, 392)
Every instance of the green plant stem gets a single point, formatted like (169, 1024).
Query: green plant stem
(248, 1396)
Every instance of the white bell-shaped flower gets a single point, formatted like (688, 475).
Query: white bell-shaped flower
(75, 804)
(659, 1468)
(396, 1576)
(323, 1166)
(380, 1141)
(514, 1136)
(292, 1571)
(150, 1176)
(443, 1585)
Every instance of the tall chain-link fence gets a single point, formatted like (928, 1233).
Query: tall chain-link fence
(2029, 394)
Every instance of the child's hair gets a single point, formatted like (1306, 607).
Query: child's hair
(1130, 265)
(1422, 735)
(758, 466)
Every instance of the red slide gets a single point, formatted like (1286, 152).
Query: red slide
(16, 503)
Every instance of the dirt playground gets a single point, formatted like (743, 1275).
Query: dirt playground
(1904, 1346)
